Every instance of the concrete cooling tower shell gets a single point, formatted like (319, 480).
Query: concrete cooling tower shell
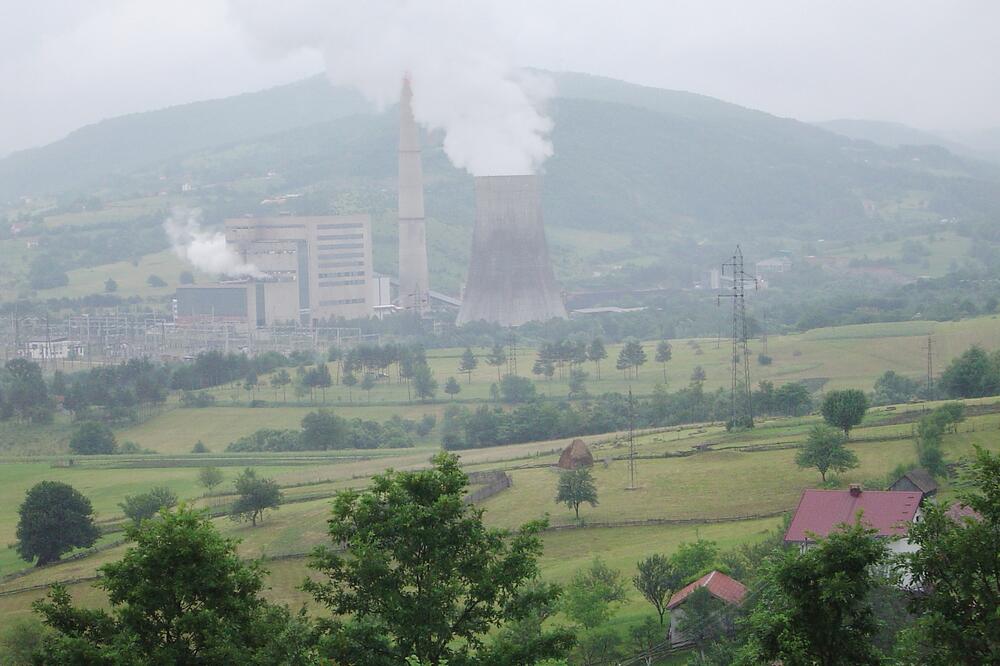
(510, 280)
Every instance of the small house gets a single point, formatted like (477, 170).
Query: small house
(576, 455)
(916, 480)
(716, 583)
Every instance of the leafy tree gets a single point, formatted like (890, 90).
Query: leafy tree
(693, 558)
(54, 518)
(323, 430)
(892, 388)
(657, 580)
(928, 436)
(20, 639)
(255, 497)
(156, 282)
(367, 384)
(281, 379)
(792, 399)
(545, 367)
(26, 392)
(514, 389)
(698, 375)
(44, 273)
(93, 438)
(180, 595)
(250, 385)
(422, 576)
(844, 409)
(424, 384)
(814, 606)
(210, 477)
(957, 567)
(350, 381)
(825, 450)
(468, 363)
(577, 383)
(663, 354)
(590, 598)
(597, 353)
(705, 619)
(143, 506)
(647, 638)
(452, 387)
(597, 647)
(576, 487)
(322, 380)
(110, 286)
(497, 358)
(972, 375)
(186, 277)
(199, 447)
(631, 356)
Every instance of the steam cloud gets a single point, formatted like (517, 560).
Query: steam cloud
(463, 82)
(205, 250)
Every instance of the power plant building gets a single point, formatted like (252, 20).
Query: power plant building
(510, 280)
(310, 269)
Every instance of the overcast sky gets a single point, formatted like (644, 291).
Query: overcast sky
(928, 63)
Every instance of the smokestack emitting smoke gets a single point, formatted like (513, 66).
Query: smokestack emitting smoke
(463, 81)
(205, 250)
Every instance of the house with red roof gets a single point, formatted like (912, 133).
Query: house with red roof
(889, 512)
(716, 583)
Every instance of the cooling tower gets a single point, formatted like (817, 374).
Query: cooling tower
(413, 279)
(510, 280)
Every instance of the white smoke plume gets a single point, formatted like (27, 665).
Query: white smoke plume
(463, 80)
(205, 250)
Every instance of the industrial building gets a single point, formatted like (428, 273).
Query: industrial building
(311, 269)
(510, 280)
(414, 283)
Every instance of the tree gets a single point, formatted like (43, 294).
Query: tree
(468, 363)
(663, 354)
(825, 450)
(957, 568)
(705, 619)
(424, 384)
(576, 487)
(597, 353)
(54, 518)
(156, 282)
(210, 477)
(497, 358)
(143, 506)
(698, 375)
(815, 606)
(322, 379)
(591, 596)
(20, 639)
(514, 389)
(928, 436)
(255, 497)
(323, 430)
(972, 375)
(693, 558)
(452, 387)
(544, 367)
(250, 385)
(110, 286)
(657, 580)
(93, 438)
(350, 381)
(26, 392)
(281, 379)
(646, 638)
(422, 576)
(367, 384)
(186, 277)
(844, 409)
(577, 383)
(180, 595)
(199, 447)
(892, 388)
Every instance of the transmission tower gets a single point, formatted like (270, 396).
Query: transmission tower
(740, 351)
(631, 441)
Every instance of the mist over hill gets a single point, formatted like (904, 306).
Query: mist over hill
(627, 158)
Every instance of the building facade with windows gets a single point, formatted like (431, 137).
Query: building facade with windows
(312, 268)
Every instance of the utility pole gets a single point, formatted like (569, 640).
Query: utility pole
(631, 440)
(740, 350)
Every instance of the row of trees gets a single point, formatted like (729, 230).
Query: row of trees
(323, 430)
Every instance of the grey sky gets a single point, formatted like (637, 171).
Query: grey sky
(927, 63)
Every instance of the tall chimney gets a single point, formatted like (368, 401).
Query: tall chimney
(413, 275)
(510, 280)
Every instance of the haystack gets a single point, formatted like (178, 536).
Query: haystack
(576, 455)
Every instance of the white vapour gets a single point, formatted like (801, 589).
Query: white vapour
(205, 250)
(463, 81)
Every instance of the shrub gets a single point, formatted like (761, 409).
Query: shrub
(197, 399)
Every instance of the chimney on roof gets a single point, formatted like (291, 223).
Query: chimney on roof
(855, 490)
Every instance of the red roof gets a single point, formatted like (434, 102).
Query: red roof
(717, 583)
(821, 511)
(958, 511)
